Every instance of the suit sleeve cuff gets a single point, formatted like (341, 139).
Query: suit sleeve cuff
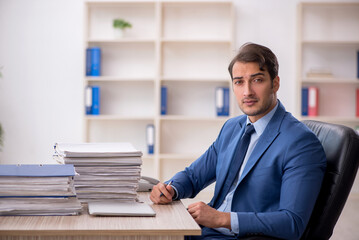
(234, 223)
(175, 197)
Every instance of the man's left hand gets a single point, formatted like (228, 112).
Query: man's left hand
(208, 216)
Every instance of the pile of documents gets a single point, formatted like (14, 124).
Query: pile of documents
(38, 190)
(107, 171)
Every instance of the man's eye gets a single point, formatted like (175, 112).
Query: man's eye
(258, 80)
(238, 82)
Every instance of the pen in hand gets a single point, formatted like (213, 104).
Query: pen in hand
(166, 187)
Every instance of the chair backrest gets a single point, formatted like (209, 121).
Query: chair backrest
(341, 146)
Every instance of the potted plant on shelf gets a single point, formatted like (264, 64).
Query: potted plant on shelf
(119, 26)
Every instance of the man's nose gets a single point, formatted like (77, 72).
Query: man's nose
(248, 90)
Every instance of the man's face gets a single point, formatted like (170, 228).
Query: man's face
(255, 94)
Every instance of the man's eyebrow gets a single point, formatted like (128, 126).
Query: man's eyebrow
(253, 75)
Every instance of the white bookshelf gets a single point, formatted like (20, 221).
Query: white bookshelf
(183, 45)
(328, 39)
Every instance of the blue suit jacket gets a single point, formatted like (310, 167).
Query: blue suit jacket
(280, 183)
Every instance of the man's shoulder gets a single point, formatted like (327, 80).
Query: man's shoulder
(292, 126)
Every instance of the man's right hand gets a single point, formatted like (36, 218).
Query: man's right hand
(162, 193)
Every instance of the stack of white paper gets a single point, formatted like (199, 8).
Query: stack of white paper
(40, 206)
(38, 190)
(107, 171)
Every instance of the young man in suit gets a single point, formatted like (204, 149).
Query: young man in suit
(275, 184)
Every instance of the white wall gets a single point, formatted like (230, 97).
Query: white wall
(41, 51)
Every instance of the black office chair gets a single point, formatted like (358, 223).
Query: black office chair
(341, 146)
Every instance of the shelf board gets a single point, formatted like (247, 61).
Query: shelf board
(207, 40)
(118, 79)
(121, 40)
(331, 80)
(191, 118)
(188, 2)
(176, 156)
(148, 157)
(329, 4)
(331, 119)
(118, 117)
(163, 118)
(150, 79)
(331, 42)
(196, 79)
(111, 3)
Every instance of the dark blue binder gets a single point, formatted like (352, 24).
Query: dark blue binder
(95, 61)
(163, 100)
(88, 61)
(225, 101)
(358, 64)
(35, 170)
(222, 101)
(304, 101)
(95, 110)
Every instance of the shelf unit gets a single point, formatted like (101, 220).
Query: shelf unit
(183, 45)
(328, 39)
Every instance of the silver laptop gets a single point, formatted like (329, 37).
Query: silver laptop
(121, 209)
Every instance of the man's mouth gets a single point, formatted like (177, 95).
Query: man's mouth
(250, 102)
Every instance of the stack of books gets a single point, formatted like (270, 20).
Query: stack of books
(107, 171)
(38, 190)
(319, 73)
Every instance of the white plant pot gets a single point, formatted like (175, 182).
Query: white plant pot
(118, 32)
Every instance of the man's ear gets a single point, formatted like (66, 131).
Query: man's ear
(276, 83)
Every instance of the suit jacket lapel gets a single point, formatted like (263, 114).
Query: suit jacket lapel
(237, 133)
(268, 136)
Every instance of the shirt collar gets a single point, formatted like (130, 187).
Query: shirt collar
(262, 123)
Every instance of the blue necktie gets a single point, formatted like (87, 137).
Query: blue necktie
(236, 163)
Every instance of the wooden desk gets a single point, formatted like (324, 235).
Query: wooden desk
(171, 222)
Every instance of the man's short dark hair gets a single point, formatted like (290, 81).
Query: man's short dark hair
(251, 52)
